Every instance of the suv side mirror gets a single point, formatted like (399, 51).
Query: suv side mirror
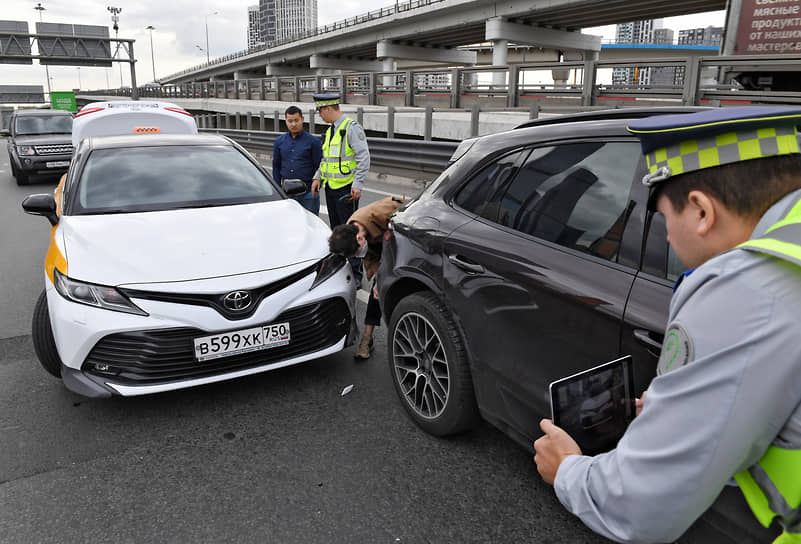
(5, 132)
(293, 187)
(42, 204)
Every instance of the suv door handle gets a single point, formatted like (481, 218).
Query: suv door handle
(464, 265)
(644, 337)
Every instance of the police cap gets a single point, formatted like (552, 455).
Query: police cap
(321, 100)
(678, 144)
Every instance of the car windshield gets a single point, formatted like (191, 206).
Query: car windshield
(44, 124)
(144, 179)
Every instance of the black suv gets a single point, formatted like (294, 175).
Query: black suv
(531, 258)
(40, 143)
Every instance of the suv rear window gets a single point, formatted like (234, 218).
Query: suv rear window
(44, 124)
(158, 178)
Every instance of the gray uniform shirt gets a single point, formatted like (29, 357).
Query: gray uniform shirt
(728, 385)
(358, 142)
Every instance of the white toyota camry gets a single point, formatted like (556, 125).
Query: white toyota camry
(175, 261)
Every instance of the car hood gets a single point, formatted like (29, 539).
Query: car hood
(37, 139)
(191, 244)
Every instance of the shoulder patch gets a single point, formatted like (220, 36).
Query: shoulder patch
(361, 135)
(677, 349)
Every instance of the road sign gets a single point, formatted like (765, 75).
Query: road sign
(73, 45)
(15, 44)
(63, 100)
(21, 94)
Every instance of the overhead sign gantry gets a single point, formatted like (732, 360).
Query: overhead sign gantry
(65, 45)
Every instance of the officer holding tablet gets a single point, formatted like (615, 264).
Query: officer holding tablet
(725, 406)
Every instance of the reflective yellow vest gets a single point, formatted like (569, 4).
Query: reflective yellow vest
(772, 487)
(338, 166)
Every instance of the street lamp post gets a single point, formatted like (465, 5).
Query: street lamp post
(115, 17)
(40, 8)
(207, 34)
(151, 28)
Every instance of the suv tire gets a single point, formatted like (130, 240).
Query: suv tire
(429, 367)
(43, 343)
(21, 178)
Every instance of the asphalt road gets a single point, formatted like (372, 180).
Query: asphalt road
(278, 457)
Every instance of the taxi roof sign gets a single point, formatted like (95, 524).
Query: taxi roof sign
(117, 118)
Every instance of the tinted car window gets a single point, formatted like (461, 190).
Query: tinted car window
(157, 178)
(61, 124)
(483, 193)
(576, 195)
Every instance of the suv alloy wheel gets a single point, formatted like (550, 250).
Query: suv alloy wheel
(429, 367)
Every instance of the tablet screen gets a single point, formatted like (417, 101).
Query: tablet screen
(595, 406)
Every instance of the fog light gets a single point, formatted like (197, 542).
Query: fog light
(27, 161)
(101, 367)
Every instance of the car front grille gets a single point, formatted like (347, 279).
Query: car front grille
(53, 149)
(168, 355)
(217, 301)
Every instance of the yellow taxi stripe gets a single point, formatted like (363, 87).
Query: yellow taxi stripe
(54, 258)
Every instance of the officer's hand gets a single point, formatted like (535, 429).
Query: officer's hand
(315, 188)
(355, 193)
(638, 403)
(552, 449)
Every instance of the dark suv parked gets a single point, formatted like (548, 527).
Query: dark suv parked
(531, 258)
(39, 143)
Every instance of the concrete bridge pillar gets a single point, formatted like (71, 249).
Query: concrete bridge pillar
(500, 52)
(388, 64)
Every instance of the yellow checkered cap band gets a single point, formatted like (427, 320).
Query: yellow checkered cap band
(329, 102)
(691, 155)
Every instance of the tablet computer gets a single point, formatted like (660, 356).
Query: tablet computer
(595, 406)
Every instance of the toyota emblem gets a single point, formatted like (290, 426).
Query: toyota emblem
(237, 301)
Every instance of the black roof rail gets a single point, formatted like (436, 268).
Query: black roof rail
(617, 113)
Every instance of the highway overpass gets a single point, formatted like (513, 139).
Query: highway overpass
(435, 32)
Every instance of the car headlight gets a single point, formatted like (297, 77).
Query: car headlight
(99, 296)
(25, 150)
(327, 268)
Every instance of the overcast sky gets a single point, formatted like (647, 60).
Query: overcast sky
(180, 34)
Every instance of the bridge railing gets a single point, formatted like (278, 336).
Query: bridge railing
(337, 26)
(689, 81)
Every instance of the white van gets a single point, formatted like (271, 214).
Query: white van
(131, 117)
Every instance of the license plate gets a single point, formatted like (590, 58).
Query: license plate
(57, 164)
(241, 341)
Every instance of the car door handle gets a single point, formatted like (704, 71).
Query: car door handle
(464, 265)
(644, 337)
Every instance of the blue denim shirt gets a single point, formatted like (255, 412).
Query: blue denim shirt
(296, 158)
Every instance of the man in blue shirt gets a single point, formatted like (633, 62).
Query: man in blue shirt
(297, 155)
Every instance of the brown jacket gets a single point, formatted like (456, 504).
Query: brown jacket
(375, 219)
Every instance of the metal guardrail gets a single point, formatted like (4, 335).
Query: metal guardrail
(692, 81)
(412, 155)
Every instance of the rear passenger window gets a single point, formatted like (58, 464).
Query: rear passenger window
(482, 194)
(576, 195)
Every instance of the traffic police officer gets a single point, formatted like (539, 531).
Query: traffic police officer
(726, 403)
(346, 160)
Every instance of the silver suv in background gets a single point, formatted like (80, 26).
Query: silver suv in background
(39, 143)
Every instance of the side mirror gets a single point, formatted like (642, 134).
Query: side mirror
(294, 187)
(42, 204)
(5, 132)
